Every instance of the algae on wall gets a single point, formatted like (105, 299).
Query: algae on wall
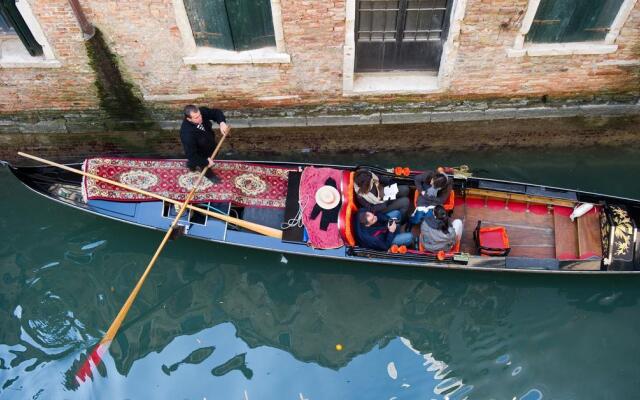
(117, 97)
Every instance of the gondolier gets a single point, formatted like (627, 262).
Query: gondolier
(197, 137)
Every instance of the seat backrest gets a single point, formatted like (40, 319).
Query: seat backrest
(349, 209)
(491, 240)
(451, 201)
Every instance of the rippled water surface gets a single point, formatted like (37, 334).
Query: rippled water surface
(217, 322)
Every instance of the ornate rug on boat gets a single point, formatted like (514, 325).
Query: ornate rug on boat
(243, 184)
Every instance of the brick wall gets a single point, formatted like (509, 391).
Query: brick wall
(145, 37)
(482, 66)
(68, 87)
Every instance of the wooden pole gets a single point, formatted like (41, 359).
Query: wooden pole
(96, 355)
(264, 230)
(85, 370)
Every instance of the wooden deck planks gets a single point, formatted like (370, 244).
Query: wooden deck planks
(530, 234)
(589, 241)
(566, 236)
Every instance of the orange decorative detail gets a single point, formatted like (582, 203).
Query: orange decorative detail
(402, 249)
(351, 210)
(394, 248)
(451, 200)
(398, 171)
(456, 247)
(440, 255)
(406, 171)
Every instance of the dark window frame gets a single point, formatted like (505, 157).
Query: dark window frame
(227, 22)
(5, 27)
(573, 21)
(14, 19)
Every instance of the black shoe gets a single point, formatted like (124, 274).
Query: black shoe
(213, 178)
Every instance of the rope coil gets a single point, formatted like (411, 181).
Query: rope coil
(297, 220)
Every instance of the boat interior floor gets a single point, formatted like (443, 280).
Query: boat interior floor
(530, 234)
(534, 231)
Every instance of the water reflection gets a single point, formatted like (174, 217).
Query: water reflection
(241, 324)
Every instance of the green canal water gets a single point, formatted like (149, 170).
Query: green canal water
(215, 322)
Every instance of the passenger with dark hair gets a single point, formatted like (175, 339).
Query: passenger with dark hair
(433, 188)
(379, 231)
(370, 190)
(438, 232)
(198, 139)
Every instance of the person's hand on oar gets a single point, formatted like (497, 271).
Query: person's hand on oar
(225, 129)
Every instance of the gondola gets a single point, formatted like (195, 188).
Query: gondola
(508, 226)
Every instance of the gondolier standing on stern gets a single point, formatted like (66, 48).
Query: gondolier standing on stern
(198, 139)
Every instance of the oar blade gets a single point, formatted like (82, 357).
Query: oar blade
(87, 365)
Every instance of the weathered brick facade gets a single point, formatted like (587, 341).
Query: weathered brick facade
(483, 68)
(146, 38)
(66, 88)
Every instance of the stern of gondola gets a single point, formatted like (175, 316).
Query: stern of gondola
(620, 243)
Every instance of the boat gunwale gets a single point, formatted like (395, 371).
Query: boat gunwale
(346, 257)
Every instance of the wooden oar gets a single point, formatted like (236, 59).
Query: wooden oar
(264, 230)
(103, 346)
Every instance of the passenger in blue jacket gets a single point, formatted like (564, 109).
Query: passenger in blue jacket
(198, 139)
(379, 231)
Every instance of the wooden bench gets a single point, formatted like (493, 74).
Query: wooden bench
(579, 239)
(589, 237)
(566, 234)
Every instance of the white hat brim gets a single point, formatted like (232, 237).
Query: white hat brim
(336, 197)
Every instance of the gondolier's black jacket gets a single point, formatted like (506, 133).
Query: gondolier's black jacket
(199, 144)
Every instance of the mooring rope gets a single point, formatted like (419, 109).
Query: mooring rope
(297, 220)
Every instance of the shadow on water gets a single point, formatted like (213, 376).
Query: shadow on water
(211, 316)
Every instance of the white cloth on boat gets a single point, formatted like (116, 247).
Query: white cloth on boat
(390, 192)
(423, 209)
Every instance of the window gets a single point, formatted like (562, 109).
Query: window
(231, 31)
(12, 20)
(235, 25)
(5, 28)
(559, 28)
(572, 20)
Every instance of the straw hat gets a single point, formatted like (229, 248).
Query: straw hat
(327, 197)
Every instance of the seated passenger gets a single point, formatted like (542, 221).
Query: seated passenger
(434, 188)
(370, 193)
(379, 231)
(438, 232)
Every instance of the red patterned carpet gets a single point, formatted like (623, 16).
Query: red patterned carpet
(242, 184)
